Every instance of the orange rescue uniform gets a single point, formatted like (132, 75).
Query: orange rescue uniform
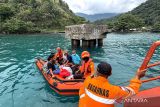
(98, 92)
(87, 68)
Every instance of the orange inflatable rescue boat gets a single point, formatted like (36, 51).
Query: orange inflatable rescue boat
(59, 84)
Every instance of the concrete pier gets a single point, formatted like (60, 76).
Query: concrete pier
(90, 35)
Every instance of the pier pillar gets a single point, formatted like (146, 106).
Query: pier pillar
(92, 43)
(75, 43)
(85, 43)
(95, 42)
(100, 42)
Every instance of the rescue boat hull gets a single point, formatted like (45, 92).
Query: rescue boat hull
(145, 98)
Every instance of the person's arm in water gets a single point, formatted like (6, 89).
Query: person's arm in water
(133, 87)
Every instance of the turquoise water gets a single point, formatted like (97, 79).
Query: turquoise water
(22, 85)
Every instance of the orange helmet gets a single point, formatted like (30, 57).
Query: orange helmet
(85, 54)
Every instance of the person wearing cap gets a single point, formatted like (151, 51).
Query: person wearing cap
(98, 92)
(87, 67)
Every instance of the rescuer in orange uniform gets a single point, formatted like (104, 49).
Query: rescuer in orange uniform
(87, 67)
(98, 92)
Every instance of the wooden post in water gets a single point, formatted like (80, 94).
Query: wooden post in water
(100, 42)
(75, 43)
(85, 43)
(87, 33)
(92, 43)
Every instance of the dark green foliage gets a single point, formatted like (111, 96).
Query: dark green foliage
(148, 11)
(6, 11)
(126, 22)
(18, 26)
(156, 27)
(24, 16)
(123, 22)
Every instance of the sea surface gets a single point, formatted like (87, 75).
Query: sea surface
(22, 85)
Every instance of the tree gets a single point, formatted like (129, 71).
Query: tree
(24, 16)
(18, 26)
(5, 11)
(149, 11)
(127, 21)
(156, 27)
(4, 1)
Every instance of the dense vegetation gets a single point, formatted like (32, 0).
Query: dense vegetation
(124, 22)
(147, 15)
(28, 16)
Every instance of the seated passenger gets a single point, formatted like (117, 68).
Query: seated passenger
(67, 59)
(59, 55)
(87, 67)
(75, 58)
(45, 66)
(76, 61)
(51, 65)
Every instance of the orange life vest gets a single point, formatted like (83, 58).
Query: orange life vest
(98, 92)
(59, 55)
(87, 68)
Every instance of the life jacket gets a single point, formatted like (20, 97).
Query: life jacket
(59, 55)
(85, 68)
(98, 92)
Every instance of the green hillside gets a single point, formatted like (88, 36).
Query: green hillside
(149, 11)
(147, 15)
(28, 16)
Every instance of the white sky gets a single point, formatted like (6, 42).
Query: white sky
(102, 6)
